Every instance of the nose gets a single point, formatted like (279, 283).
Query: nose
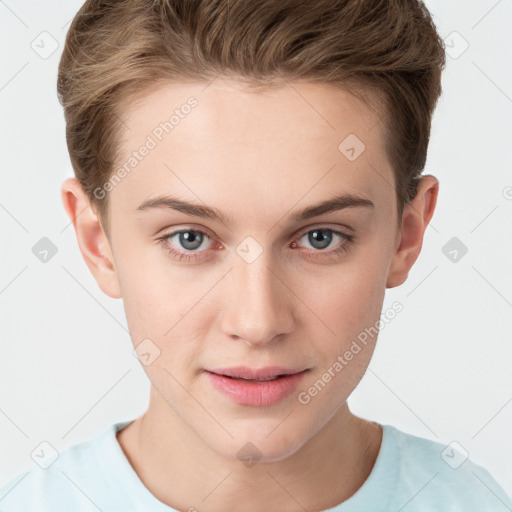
(259, 302)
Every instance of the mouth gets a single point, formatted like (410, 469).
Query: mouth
(256, 374)
(257, 388)
(255, 380)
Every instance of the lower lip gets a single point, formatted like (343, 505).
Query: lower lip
(256, 394)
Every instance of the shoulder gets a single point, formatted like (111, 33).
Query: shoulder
(74, 480)
(431, 474)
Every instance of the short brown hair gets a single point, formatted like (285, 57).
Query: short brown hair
(118, 48)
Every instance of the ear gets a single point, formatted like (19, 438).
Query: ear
(92, 240)
(415, 219)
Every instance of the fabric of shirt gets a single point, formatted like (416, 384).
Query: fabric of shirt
(410, 473)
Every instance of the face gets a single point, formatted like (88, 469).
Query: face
(257, 284)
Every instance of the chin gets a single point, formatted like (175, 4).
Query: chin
(255, 445)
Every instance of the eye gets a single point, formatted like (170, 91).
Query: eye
(321, 238)
(189, 239)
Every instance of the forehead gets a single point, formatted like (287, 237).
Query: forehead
(220, 141)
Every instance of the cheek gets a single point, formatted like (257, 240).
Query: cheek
(152, 306)
(157, 309)
(347, 298)
(168, 307)
(350, 304)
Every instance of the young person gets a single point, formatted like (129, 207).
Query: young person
(248, 181)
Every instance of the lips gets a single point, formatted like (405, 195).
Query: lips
(262, 387)
(255, 374)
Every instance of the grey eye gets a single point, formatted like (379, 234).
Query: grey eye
(190, 239)
(320, 238)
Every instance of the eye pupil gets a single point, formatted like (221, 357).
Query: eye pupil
(318, 236)
(191, 240)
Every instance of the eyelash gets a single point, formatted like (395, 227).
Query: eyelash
(191, 255)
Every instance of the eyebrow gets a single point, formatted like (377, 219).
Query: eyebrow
(338, 202)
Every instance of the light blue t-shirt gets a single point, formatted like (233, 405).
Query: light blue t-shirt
(410, 474)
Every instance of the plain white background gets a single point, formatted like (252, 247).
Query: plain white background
(441, 369)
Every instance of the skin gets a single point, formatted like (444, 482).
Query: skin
(259, 158)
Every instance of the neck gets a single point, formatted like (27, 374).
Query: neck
(183, 471)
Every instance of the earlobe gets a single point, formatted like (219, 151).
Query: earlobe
(92, 240)
(415, 219)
